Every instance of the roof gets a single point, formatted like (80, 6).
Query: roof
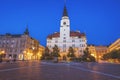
(54, 35)
(11, 35)
(76, 34)
(16, 35)
(72, 34)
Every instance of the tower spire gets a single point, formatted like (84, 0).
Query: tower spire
(65, 11)
(26, 31)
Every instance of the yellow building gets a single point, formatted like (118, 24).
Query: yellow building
(41, 51)
(98, 51)
(115, 45)
(92, 50)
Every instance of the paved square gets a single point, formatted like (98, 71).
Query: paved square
(59, 71)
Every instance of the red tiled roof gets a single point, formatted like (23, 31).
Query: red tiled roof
(54, 35)
(72, 34)
(76, 34)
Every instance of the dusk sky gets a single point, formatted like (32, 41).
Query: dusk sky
(99, 19)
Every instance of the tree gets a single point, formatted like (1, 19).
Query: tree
(46, 54)
(47, 51)
(115, 54)
(106, 56)
(118, 53)
(87, 57)
(71, 54)
(0, 58)
(55, 52)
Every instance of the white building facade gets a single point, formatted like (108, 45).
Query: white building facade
(66, 38)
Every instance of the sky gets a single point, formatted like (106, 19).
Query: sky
(99, 19)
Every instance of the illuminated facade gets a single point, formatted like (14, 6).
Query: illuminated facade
(92, 50)
(66, 38)
(98, 51)
(19, 46)
(115, 45)
(41, 51)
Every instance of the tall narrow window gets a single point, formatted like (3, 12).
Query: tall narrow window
(64, 47)
(73, 45)
(73, 40)
(64, 40)
(56, 41)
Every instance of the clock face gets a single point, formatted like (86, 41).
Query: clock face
(64, 23)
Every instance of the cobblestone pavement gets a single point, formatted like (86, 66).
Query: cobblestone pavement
(35, 70)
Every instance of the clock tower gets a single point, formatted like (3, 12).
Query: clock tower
(65, 26)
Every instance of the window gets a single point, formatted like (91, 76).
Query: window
(13, 41)
(49, 41)
(64, 40)
(7, 41)
(73, 45)
(64, 37)
(12, 46)
(80, 45)
(4, 41)
(83, 45)
(64, 45)
(73, 40)
(80, 40)
(56, 41)
(83, 40)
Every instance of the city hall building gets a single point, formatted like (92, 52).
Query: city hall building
(66, 38)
